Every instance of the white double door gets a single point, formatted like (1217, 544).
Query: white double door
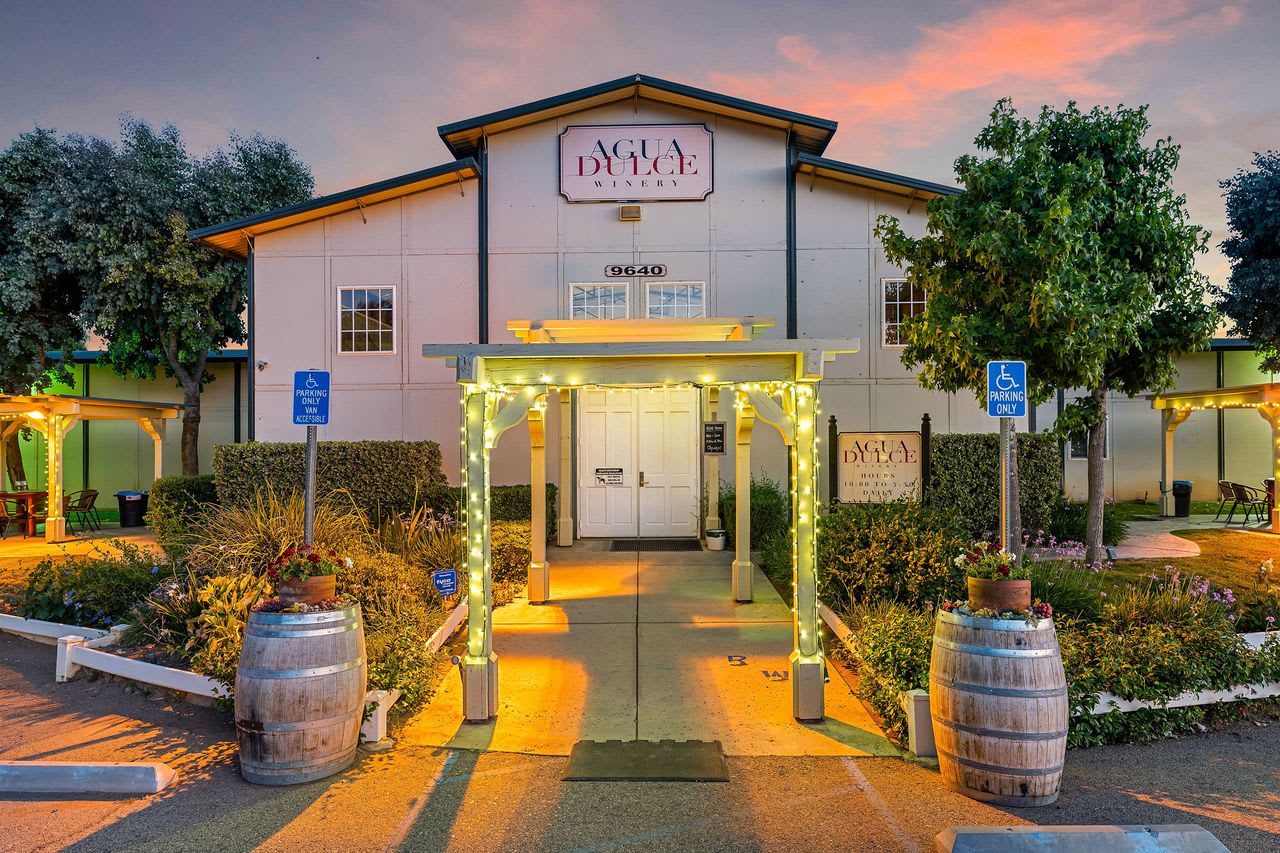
(638, 462)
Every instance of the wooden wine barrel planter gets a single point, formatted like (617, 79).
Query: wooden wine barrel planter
(998, 698)
(300, 691)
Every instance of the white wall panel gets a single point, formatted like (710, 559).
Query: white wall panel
(306, 239)
(443, 219)
(441, 305)
(291, 317)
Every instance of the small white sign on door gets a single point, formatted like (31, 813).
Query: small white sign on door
(609, 477)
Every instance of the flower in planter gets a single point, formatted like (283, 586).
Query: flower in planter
(302, 563)
(988, 561)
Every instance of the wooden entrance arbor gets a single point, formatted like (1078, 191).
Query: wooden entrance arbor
(773, 380)
(54, 415)
(1176, 406)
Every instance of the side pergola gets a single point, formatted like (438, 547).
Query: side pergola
(54, 415)
(773, 380)
(1176, 406)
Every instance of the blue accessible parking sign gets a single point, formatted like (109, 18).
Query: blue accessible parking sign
(311, 397)
(446, 582)
(1007, 389)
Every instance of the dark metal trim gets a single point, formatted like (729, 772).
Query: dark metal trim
(1222, 417)
(793, 298)
(253, 365)
(482, 251)
(906, 181)
(236, 404)
(84, 436)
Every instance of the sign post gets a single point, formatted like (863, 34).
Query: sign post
(1006, 400)
(310, 409)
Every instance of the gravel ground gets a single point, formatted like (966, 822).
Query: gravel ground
(425, 798)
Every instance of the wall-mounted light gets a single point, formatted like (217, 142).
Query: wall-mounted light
(262, 365)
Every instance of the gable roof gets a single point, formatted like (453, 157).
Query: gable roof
(865, 176)
(233, 237)
(811, 133)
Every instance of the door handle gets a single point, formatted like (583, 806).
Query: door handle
(642, 479)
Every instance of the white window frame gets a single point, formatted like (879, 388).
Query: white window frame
(395, 319)
(1106, 445)
(884, 309)
(616, 285)
(648, 285)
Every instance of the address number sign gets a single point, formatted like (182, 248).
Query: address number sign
(627, 271)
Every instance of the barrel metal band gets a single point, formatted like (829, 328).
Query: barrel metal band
(305, 763)
(987, 651)
(315, 632)
(997, 733)
(986, 624)
(301, 673)
(995, 768)
(343, 719)
(1015, 692)
(305, 618)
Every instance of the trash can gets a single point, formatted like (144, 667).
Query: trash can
(133, 508)
(1182, 498)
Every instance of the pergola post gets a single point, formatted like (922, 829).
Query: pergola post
(743, 573)
(480, 666)
(155, 427)
(808, 666)
(1271, 413)
(55, 431)
(539, 568)
(1169, 421)
(712, 480)
(564, 522)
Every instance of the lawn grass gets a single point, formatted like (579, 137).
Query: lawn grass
(1228, 558)
(1145, 509)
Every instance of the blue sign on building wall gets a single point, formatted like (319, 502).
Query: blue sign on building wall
(311, 397)
(1007, 389)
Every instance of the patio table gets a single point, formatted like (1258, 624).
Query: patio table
(28, 499)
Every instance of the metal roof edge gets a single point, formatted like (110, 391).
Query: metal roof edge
(867, 172)
(334, 198)
(563, 99)
(81, 356)
(1230, 344)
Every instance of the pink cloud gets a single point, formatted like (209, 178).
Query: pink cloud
(1036, 52)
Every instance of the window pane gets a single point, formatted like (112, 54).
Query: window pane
(347, 298)
(892, 290)
(385, 343)
(348, 342)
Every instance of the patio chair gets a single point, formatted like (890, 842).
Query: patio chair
(1248, 497)
(1224, 494)
(8, 515)
(39, 511)
(79, 506)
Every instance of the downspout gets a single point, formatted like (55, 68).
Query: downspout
(793, 327)
(235, 405)
(84, 436)
(253, 363)
(482, 272)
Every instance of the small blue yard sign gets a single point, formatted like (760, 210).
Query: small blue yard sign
(311, 397)
(1007, 389)
(446, 582)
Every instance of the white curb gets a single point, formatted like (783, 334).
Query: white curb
(1152, 838)
(70, 777)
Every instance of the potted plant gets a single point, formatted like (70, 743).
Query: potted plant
(303, 576)
(997, 579)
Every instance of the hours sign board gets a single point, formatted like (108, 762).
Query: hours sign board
(713, 438)
(877, 467)
(635, 162)
(1007, 389)
(311, 397)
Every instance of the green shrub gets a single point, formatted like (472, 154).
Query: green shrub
(176, 502)
(890, 648)
(95, 589)
(1068, 520)
(775, 562)
(382, 476)
(899, 551)
(770, 511)
(1069, 587)
(233, 539)
(1260, 609)
(397, 652)
(509, 551)
(966, 479)
(424, 538)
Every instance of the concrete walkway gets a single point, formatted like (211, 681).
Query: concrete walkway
(1153, 537)
(644, 647)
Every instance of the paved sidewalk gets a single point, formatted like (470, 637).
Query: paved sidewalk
(645, 647)
(1153, 537)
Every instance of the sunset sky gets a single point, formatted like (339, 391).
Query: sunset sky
(359, 88)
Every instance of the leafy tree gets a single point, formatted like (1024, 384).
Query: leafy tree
(1069, 250)
(123, 212)
(1252, 298)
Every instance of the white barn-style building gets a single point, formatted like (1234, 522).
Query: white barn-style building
(636, 199)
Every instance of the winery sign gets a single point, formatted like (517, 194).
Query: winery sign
(636, 162)
(877, 467)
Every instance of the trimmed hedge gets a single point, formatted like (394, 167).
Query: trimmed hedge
(382, 476)
(1069, 523)
(506, 503)
(966, 479)
(175, 503)
(770, 511)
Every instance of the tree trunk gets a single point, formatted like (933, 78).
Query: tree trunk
(1095, 552)
(191, 427)
(13, 454)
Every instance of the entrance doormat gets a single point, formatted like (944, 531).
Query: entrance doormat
(656, 545)
(647, 761)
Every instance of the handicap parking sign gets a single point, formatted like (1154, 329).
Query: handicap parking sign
(311, 397)
(1007, 389)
